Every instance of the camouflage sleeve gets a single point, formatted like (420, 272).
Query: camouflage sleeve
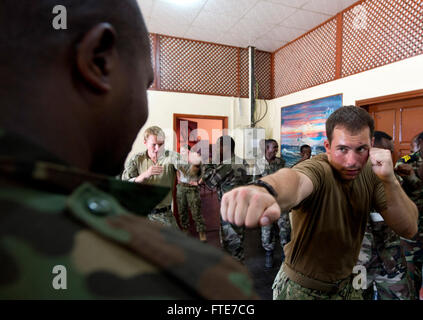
(243, 176)
(131, 169)
(210, 176)
(105, 252)
(187, 263)
(411, 182)
(399, 178)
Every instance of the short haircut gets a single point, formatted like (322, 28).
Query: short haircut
(155, 131)
(379, 135)
(269, 141)
(352, 118)
(304, 146)
(224, 140)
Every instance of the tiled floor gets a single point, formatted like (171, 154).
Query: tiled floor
(254, 253)
(254, 261)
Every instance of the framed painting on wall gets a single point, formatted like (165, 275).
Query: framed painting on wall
(304, 123)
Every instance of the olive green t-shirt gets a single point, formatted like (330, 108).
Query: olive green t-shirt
(141, 162)
(328, 226)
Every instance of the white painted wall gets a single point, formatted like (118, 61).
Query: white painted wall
(402, 76)
(162, 106)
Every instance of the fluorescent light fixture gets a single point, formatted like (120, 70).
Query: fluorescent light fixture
(182, 2)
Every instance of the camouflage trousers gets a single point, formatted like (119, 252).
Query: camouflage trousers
(268, 233)
(414, 255)
(383, 257)
(166, 218)
(286, 289)
(188, 196)
(232, 239)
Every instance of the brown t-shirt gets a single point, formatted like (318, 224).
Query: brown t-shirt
(328, 226)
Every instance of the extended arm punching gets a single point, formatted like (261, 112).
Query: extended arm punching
(253, 205)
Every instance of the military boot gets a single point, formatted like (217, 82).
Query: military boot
(268, 260)
(202, 236)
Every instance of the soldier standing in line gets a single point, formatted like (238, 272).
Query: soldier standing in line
(410, 169)
(305, 152)
(381, 252)
(188, 192)
(285, 232)
(226, 173)
(271, 165)
(284, 221)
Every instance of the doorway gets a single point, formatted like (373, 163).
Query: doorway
(399, 115)
(201, 132)
(191, 129)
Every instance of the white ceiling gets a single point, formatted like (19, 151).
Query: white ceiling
(264, 24)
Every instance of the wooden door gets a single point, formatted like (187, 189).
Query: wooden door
(400, 118)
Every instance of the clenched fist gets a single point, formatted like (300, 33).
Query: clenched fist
(382, 166)
(250, 206)
(152, 171)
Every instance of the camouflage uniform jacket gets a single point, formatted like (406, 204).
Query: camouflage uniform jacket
(55, 215)
(226, 176)
(188, 174)
(413, 185)
(272, 167)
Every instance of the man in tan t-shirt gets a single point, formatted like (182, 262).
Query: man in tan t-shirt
(331, 196)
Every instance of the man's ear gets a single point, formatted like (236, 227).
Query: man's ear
(327, 145)
(96, 56)
(373, 142)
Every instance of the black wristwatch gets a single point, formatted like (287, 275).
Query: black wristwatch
(268, 187)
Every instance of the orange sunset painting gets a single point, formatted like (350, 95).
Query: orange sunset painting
(304, 123)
